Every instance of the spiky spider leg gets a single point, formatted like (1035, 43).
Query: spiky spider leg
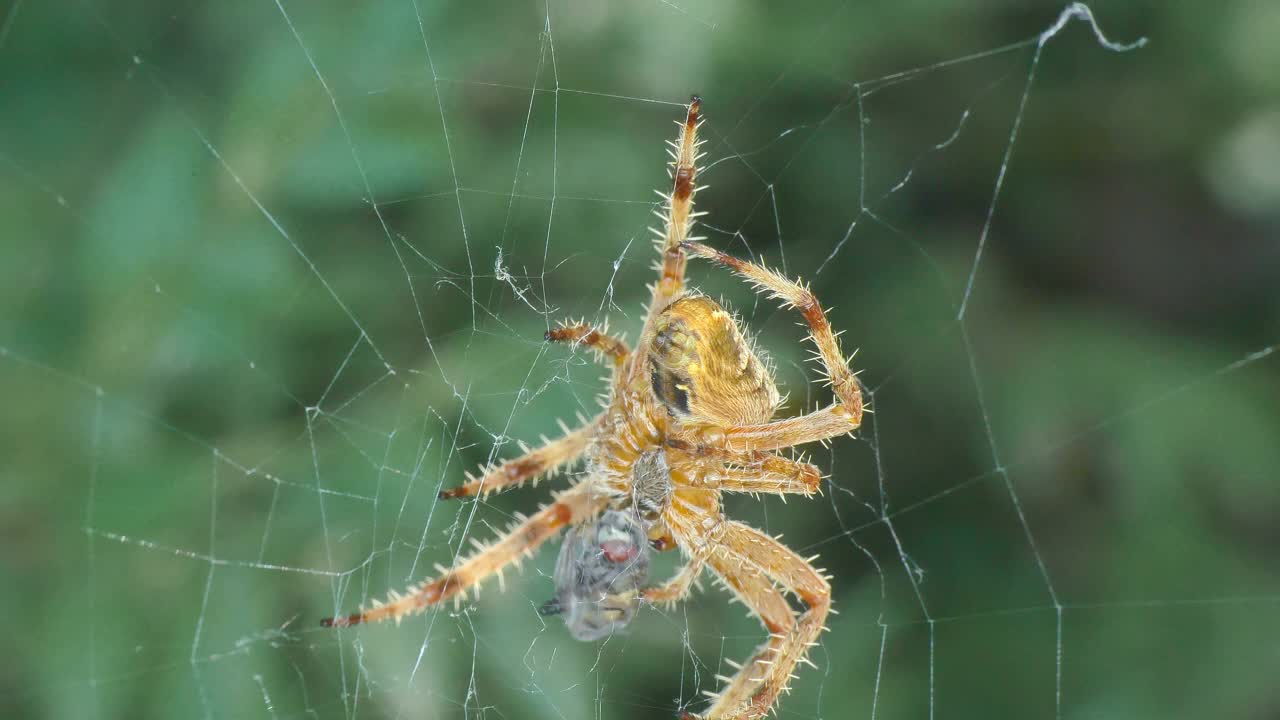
(680, 204)
(776, 476)
(572, 506)
(838, 419)
(534, 463)
(768, 603)
(677, 216)
(746, 472)
(750, 563)
(588, 335)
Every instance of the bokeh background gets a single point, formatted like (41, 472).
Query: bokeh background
(271, 276)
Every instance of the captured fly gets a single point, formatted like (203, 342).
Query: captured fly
(599, 575)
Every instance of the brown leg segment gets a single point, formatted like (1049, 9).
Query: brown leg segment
(583, 334)
(572, 506)
(531, 465)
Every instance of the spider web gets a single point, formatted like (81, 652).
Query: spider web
(254, 339)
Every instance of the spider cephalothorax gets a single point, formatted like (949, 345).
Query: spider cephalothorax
(689, 415)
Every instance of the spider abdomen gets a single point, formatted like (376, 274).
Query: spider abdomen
(702, 367)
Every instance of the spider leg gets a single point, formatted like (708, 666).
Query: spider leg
(572, 506)
(532, 464)
(746, 470)
(750, 563)
(842, 417)
(584, 334)
(824, 424)
(678, 214)
(678, 587)
(679, 206)
(771, 474)
(765, 600)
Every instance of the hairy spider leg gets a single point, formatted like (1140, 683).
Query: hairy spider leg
(753, 565)
(771, 607)
(533, 464)
(754, 473)
(576, 505)
(606, 346)
(775, 475)
(823, 424)
(840, 418)
(677, 218)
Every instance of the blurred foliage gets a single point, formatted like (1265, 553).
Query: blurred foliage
(271, 279)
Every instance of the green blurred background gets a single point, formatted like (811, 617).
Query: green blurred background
(252, 319)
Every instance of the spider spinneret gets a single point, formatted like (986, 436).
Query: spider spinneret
(689, 415)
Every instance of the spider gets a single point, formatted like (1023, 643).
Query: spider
(689, 415)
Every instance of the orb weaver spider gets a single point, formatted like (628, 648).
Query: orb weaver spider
(689, 415)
